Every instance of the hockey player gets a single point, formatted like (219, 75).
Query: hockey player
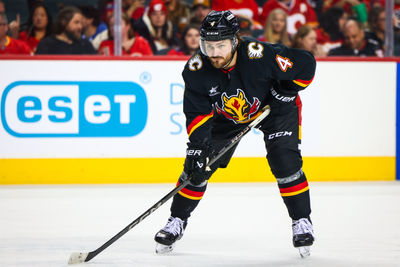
(226, 86)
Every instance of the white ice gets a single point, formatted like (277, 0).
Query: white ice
(357, 224)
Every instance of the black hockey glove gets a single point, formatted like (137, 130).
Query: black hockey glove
(196, 162)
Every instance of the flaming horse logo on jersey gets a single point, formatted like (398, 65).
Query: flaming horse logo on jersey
(237, 107)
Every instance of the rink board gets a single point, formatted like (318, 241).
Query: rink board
(167, 170)
(120, 121)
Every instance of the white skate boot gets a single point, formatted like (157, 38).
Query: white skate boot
(303, 236)
(171, 233)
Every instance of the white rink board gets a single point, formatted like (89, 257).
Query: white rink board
(349, 110)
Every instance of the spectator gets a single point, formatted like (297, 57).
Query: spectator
(357, 8)
(396, 49)
(92, 25)
(131, 45)
(355, 43)
(330, 30)
(178, 13)
(134, 8)
(9, 45)
(14, 25)
(200, 10)
(156, 29)
(396, 28)
(306, 38)
(93, 28)
(38, 26)
(299, 13)
(382, 3)
(345, 4)
(396, 5)
(2, 7)
(66, 38)
(317, 6)
(245, 8)
(190, 41)
(275, 29)
(108, 12)
(245, 26)
(377, 25)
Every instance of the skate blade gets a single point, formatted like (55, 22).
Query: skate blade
(304, 251)
(164, 249)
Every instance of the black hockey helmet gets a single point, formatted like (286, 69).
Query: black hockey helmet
(219, 25)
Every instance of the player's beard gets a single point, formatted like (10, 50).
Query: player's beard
(220, 62)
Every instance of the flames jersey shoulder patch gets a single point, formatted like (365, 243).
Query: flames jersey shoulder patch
(195, 63)
(255, 50)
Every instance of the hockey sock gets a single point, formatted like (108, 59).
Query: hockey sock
(187, 200)
(296, 196)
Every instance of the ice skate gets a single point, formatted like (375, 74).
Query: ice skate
(171, 233)
(303, 236)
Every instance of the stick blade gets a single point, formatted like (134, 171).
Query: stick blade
(77, 257)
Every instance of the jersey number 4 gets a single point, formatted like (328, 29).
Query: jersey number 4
(284, 63)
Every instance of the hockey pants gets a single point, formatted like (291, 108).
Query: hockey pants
(282, 137)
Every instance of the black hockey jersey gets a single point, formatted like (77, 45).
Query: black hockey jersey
(262, 72)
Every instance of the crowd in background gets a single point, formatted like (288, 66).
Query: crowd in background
(171, 27)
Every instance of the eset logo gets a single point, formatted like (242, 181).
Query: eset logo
(73, 109)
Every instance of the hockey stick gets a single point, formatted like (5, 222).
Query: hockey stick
(80, 257)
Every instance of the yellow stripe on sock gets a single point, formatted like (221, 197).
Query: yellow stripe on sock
(295, 193)
(190, 197)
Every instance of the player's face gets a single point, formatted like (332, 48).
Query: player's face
(192, 39)
(75, 26)
(219, 52)
(310, 41)
(39, 18)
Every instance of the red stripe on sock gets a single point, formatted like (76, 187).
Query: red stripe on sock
(294, 188)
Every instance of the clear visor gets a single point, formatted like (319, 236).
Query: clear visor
(220, 48)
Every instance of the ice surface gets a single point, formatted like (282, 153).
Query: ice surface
(356, 224)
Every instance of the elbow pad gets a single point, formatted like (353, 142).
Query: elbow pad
(287, 87)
